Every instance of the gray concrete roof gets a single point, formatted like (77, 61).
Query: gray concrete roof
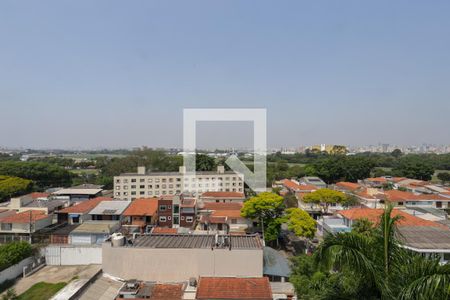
(201, 241)
(115, 207)
(425, 237)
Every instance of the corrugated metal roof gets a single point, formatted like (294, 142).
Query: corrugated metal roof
(424, 237)
(115, 207)
(201, 241)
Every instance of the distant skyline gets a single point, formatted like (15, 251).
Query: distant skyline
(114, 74)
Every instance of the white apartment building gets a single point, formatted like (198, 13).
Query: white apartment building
(130, 186)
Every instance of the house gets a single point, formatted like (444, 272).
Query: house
(347, 187)
(177, 211)
(179, 257)
(36, 201)
(141, 213)
(410, 200)
(276, 266)
(234, 288)
(222, 197)
(376, 182)
(79, 213)
(109, 210)
(61, 235)
(76, 194)
(93, 232)
(222, 216)
(24, 223)
(151, 291)
(417, 234)
(313, 180)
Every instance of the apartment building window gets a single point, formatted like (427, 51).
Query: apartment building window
(178, 179)
(178, 185)
(164, 192)
(6, 226)
(164, 180)
(189, 219)
(163, 186)
(234, 190)
(150, 180)
(125, 193)
(142, 193)
(133, 186)
(157, 193)
(157, 180)
(233, 184)
(234, 178)
(118, 194)
(162, 208)
(117, 180)
(157, 186)
(182, 218)
(170, 186)
(142, 180)
(125, 187)
(162, 219)
(178, 191)
(240, 183)
(142, 186)
(170, 179)
(171, 192)
(169, 218)
(227, 178)
(150, 186)
(118, 187)
(150, 193)
(125, 181)
(133, 193)
(133, 180)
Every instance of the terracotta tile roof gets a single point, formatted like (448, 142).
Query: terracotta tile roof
(366, 195)
(227, 213)
(348, 185)
(234, 288)
(167, 292)
(289, 184)
(37, 195)
(213, 219)
(373, 215)
(164, 230)
(377, 179)
(166, 197)
(396, 196)
(24, 217)
(142, 207)
(223, 195)
(188, 203)
(85, 206)
(222, 206)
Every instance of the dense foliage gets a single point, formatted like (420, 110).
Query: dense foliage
(326, 197)
(12, 253)
(300, 222)
(13, 186)
(369, 264)
(44, 175)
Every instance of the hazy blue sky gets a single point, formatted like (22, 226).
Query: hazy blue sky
(119, 73)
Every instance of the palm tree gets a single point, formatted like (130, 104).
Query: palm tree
(391, 271)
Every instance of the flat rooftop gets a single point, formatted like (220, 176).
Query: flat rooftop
(197, 241)
(179, 174)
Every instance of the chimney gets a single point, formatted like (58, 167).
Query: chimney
(182, 170)
(141, 170)
(220, 169)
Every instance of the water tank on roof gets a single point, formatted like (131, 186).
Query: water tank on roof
(117, 240)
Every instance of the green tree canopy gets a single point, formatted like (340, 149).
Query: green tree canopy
(204, 162)
(325, 197)
(43, 174)
(444, 177)
(265, 208)
(300, 222)
(13, 186)
(413, 167)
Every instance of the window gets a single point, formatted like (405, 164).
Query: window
(125, 187)
(6, 226)
(142, 193)
(176, 209)
(233, 221)
(162, 208)
(125, 181)
(170, 179)
(446, 256)
(150, 186)
(133, 180)
(133, 186)
(189, 219)
(169, 218)
(133, 193)
(150, 180)
(169, 207)
(118, 187)
(150, 193)
(162, 219)
(118, 194)
(142, 186)
(164, 180)
(142, 180)
(117, 180)
(125, 193)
